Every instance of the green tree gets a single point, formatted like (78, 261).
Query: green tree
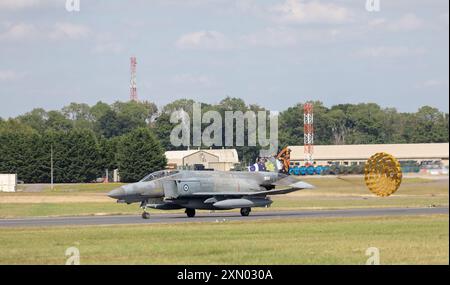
(291, 126)
(99, 110)
(24, 153)
(58, 122)
(139, 153)
(15, 125)
(185, 104)
(428, 125)
(109, 125)
(162, 127)
(134, 114)
(79, 114)
(36, 119)
(337, 121)
(108, 153)
(76, 156)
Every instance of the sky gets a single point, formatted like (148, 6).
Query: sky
(271, 53)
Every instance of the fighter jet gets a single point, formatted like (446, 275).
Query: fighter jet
(207, 190)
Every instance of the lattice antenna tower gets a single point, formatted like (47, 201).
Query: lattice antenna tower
(308, 122)
(133, 88)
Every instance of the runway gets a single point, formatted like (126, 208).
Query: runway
(206, 217)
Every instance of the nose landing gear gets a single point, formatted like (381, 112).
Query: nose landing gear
(145, 214)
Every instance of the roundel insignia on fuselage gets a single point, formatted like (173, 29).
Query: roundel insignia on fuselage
(186, 187)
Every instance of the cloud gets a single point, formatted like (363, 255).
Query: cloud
(431, 83)
(69, 31)
(10, 75)
(25, 4)
(300, 11)
(19, 31)
(108, 47)
(444, 18)
(384, 51)
(253, 7)
(17, 4)
(408, 22)
(25, 31)
(191, 79)
(272, 37)
(107, 42)
(204, 40)
(286, 37)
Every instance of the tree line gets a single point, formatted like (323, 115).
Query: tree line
(79, 155)
(133, 136)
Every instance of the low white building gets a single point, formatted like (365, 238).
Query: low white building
(217, 159)
(357, 154)
(8, 182)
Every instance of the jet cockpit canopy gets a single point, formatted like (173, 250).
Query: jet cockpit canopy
(158, 174)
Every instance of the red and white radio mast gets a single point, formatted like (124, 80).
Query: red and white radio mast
(308, 120)
(133, 89)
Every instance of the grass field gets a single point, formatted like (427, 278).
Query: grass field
(331, 193)
(400, 240)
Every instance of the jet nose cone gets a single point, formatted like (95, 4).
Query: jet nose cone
(116, 193)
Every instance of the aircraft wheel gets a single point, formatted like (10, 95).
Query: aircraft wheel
(146, 215)
(245, 211)
(190, 213)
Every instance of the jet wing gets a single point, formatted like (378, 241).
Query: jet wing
(299, 185)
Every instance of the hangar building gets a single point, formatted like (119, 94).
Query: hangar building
(358, 154)
(217, 159)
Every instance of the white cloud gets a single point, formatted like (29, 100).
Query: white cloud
(300, 11)
(10, 75)
(272, 37)
(19, 31)
(431, 83)
(17, 4)
(253, 7)
(204, 40)
(108, 47)
(444, 18)
(69, 31)
(408, 22)
(25, 4)
(107, 42)
(25, 31)
(191, 3)
(191, 79)
(384, 51)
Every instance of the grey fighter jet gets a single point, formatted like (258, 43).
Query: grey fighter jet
(206, 190)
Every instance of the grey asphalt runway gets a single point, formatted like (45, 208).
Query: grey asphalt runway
(204, 216)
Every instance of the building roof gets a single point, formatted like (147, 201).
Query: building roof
(364, 151)
(224, 155)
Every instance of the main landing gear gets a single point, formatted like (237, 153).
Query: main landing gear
(190, 212)
(245, 211)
